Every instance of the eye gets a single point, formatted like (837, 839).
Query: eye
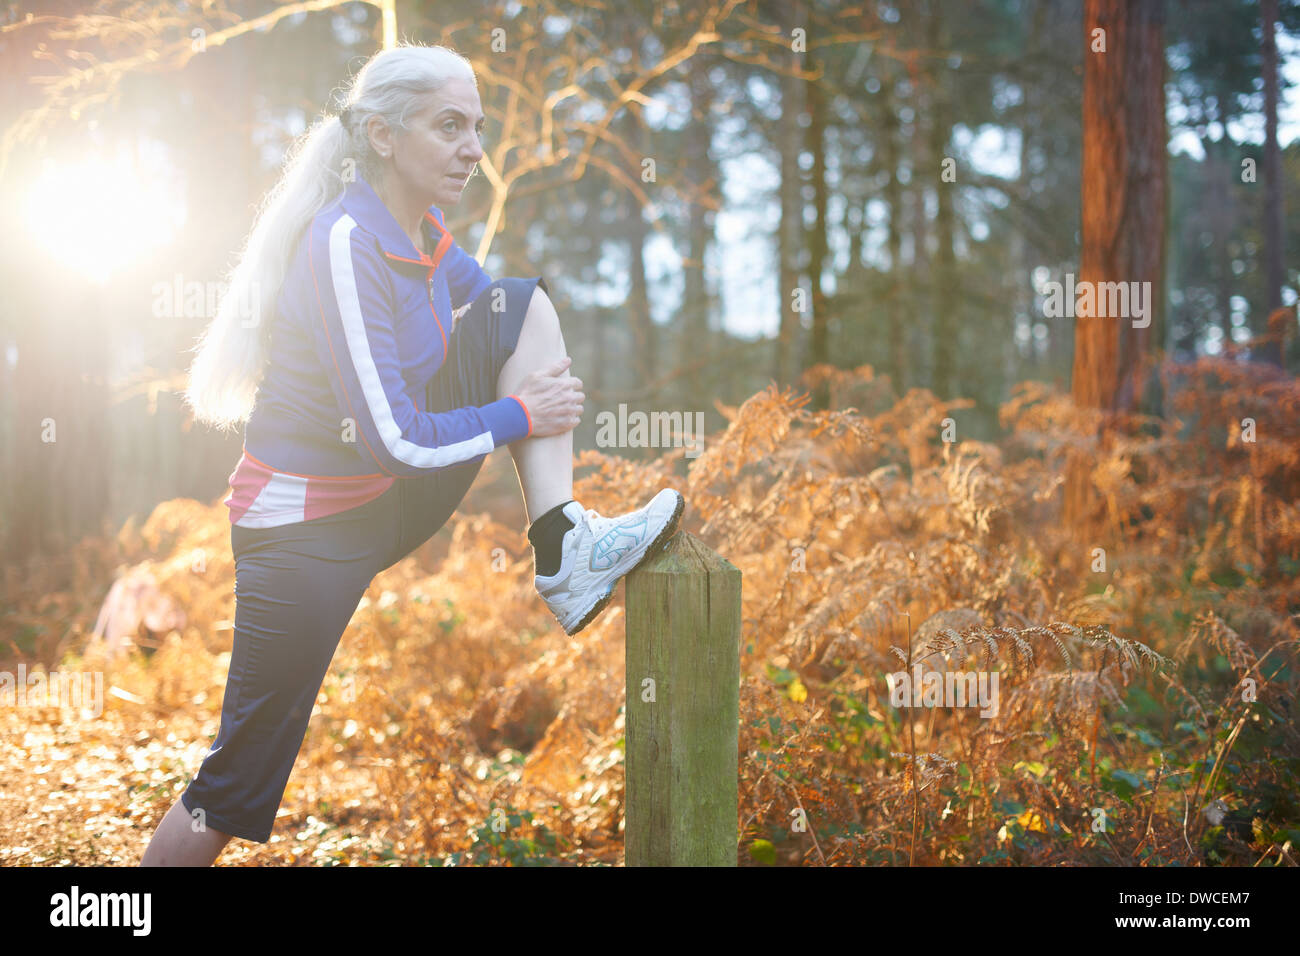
(449, 126)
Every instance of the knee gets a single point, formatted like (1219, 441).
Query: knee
(541, 315)
(541, 304)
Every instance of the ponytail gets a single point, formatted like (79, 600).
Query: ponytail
(232, 352)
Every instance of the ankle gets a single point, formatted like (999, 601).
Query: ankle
(546, 535)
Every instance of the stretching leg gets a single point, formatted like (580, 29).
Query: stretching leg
(544, 465)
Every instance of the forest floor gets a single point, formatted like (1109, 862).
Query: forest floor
(459, 725)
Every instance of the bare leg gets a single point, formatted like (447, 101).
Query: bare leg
(175, 843)
(544, 465)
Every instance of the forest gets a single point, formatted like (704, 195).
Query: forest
(980, 314)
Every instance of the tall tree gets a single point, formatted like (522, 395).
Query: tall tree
(819, 346)
(635, 232)
(785, 364)
(944, 343)
(1123, 202)
(890, 130)
(696, 300)
(1274, 250)
(1123, 189)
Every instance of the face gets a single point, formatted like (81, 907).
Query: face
(437, 154)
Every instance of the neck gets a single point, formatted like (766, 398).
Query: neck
(407, 209)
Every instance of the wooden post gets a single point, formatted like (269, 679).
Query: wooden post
(683, 708)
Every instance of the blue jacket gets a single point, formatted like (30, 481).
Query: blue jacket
(360, 328)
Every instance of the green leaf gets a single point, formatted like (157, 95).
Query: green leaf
(779, 675)
(762, 851)
(1148, 738)
(1124, 783)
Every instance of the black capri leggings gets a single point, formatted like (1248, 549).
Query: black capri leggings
(297, 586)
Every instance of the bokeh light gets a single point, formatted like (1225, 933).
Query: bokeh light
(98, 214)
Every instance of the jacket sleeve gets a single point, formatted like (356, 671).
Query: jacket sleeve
(466, 279)
(354, 338)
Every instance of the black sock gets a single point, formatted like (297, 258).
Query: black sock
(547, 537)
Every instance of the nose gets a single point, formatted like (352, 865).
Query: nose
(474, 151)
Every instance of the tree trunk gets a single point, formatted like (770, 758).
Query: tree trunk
(894, 199)
(1146, 193)
(696, 301)
(946, 326)
(790, 230)
(638, 299)
(921, 298)
(1274, 253)
(819, 349)
(1221, 157)
(60, 479)
(1123, 206)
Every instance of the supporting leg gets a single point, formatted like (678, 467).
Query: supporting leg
(176, 844)
(544, 465)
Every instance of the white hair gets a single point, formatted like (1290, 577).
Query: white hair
(232, 351)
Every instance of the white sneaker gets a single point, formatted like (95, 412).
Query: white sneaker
(597, 551)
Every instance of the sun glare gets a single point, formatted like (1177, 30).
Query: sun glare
(100, 214)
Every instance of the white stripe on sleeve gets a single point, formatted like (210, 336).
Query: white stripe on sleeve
(354, 330)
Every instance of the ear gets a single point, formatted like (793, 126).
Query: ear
(380, 135)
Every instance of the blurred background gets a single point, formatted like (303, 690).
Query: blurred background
(867, 205)
(720, 195)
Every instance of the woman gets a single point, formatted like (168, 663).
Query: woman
(376, 404)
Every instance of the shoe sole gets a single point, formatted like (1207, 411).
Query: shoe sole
(656, 546)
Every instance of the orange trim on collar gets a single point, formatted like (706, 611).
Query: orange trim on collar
(429, 262)
(445, 242)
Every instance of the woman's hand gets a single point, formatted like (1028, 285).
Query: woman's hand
(554, 398)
